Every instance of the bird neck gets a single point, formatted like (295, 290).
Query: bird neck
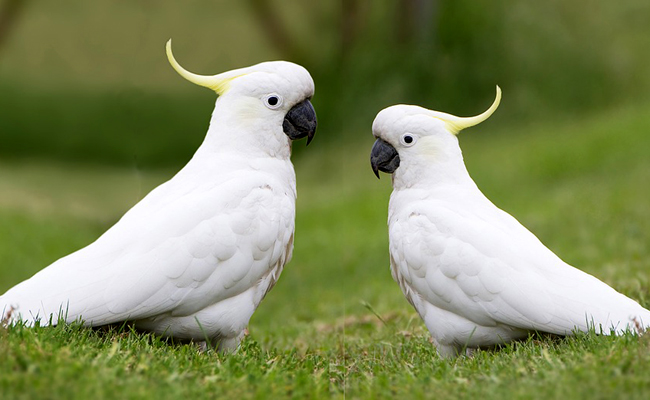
(236, 129)
(441, 166)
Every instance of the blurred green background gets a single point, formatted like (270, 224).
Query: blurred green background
(89, 81)
(92, 117)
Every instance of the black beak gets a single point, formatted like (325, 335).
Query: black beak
(383, 157)
(300, 121)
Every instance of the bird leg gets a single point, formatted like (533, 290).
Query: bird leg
(231, 345)
(223, 345)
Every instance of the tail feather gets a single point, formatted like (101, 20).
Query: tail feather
(620, 319)
(30, 311)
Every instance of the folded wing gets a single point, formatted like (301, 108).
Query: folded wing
(175, 252)
(493, 271)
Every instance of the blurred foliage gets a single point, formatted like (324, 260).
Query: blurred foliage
(88, 81)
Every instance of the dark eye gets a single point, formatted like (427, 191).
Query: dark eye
(273, 101)
(408, 139)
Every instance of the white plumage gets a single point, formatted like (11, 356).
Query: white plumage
(476, 276)
(195, 257)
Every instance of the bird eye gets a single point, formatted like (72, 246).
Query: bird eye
(408, 139)
(273, 101)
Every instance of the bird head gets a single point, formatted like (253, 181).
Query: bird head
(270, 98)
(412, 134)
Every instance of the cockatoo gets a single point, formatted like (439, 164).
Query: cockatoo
(194, 258)
(474, 274)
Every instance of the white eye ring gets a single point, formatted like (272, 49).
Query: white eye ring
(408, 139)
(273, 101)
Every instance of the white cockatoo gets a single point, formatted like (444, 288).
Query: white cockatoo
(476, 276)
(195, 257)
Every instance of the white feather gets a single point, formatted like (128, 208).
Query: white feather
(196, 256)
(476, 276)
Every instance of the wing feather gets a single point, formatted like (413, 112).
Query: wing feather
(177, 251)
(490, 270)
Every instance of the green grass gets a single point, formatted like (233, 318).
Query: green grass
(72, 362)
(336, 324)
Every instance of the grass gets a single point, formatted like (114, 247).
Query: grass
(72, 362)
(336, 324)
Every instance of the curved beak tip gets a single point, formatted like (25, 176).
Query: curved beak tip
(301, 122)
(383, 157)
